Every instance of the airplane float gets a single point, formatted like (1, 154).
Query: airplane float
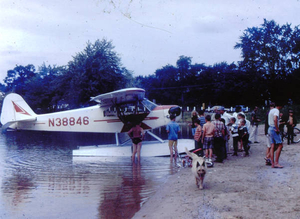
(115, 112)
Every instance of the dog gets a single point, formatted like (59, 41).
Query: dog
(198, 168)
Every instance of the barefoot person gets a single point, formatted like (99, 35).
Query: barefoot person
(173, 129)
(208, 138)
(136, 134)
(274, 133)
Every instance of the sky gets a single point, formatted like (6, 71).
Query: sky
(146, 34)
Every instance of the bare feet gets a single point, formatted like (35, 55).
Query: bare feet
(277, 166)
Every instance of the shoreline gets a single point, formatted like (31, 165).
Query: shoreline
(240, 187)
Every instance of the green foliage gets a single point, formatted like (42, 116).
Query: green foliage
(93, 71)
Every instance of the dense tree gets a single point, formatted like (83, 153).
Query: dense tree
(93, 71)
(271, 51)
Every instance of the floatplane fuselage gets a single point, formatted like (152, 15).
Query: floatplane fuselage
(116, 112)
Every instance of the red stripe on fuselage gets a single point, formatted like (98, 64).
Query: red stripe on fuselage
(118, 120)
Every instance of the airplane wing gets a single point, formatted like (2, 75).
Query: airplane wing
(122, 96)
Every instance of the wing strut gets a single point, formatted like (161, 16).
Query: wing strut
(155, 136)
(117, 139)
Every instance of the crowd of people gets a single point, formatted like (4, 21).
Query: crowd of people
(212, 133)
(212, 137)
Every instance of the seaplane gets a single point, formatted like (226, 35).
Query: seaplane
(114, 112)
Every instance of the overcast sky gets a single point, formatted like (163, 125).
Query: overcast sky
(147, 34)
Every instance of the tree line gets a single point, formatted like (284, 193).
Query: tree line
(269, 70)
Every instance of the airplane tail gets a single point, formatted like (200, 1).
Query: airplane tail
(15, 109)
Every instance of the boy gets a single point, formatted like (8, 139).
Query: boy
(235, 135)
(208, 137)
(173, 129)
(197, 137)
(219, 144)
(244, 135)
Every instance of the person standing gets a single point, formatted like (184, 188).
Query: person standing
(291, 123)
(194, 117)
(235, 135)
(244, 135)
(136, 134)
(173, 129)
(224, 115)
(254, 126)
(238, 110)
(208, 138)
(274, 133)
(197, 138)
(219, 138)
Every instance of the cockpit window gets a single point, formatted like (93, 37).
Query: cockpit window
(148, 104)
(145, 106)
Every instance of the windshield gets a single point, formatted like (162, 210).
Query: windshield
(148, 104)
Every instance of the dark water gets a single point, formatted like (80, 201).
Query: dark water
(40, 178)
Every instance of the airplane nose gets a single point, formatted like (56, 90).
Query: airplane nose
(176, 111)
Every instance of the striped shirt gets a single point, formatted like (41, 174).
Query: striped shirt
(198, 133)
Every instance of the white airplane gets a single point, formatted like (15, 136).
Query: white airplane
(115, 113)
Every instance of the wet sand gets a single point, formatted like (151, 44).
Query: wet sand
(241, 187)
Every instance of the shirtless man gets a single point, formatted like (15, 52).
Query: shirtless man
(136, 134)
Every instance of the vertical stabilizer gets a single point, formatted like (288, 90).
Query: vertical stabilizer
(15, 109)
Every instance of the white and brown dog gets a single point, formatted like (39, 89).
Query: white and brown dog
(198, 168)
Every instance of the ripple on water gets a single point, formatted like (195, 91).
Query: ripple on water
(42, 173)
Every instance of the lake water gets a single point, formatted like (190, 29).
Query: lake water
(40, 178)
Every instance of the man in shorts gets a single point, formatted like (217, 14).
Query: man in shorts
(274, 134)
(173, 129)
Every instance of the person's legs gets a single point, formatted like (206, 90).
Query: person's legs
(272, 153)
(225, 148)
(171, 142)
(278, 152)
(176, 151)
(245, 145)
(210, 153)
(290, 134)
(207, 153)
(268, 146)
(235, 145)
(219, 148)
(251, 137)
(200, 146)
(139, 146)
(255, 134)
(134, 150)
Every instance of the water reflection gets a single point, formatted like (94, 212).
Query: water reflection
(40, 179)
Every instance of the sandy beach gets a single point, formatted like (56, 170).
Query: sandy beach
(241, 187)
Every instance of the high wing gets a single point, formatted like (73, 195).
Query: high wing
(119, 97)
